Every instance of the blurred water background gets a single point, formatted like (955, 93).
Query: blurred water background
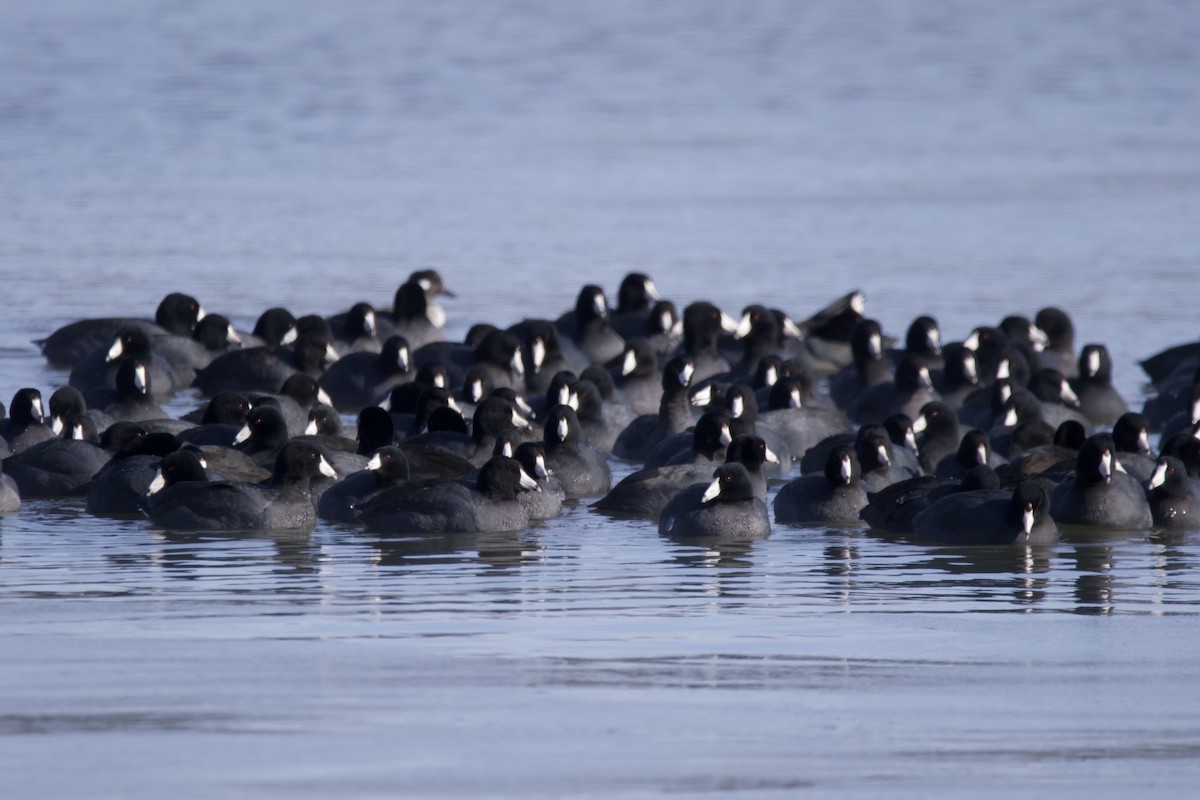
(952, 158)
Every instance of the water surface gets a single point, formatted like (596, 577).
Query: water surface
(946, 158)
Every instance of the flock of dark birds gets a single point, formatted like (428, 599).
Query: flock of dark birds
(994, 440)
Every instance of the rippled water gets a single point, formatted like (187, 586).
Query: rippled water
(947, 158)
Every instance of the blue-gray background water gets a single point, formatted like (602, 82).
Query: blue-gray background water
(961, 159)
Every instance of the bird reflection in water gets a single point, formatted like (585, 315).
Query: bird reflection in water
(841, 562)
(1018, 574)
(496, 551)
(1174, 561)
(192, 554)
(1093, 552)
(724, 566)
(1013, 573)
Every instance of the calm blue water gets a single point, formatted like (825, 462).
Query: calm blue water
(947, 158)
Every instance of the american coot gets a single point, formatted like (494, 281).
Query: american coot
(894, 507)
(1097, 494)
(67, 402)
(281, 503)
(587, 337)
(877, 458)
(60, 467)
(1167, 365)
(489, 504)
(899, 428)
(67, 346)
(1098, 399)
(974, 449)
(548, 502)
(753, 453)
(725, 508)
(326, 432)
(646, 492)
(325, 420)
(923, 343)
(263, 434)
(823, 345)
(1022, 427)
(704, 444)
(274, 327)
(431, 375)
(415, 421)
(132, 400)
(430, 280)
(362, 379)
(984, 407)
(25, 425)
(294, 398)
(937, 435)
(1174, 497)
(827, 332)
(387, 467)
(1063, 449)
(582, 469)
(316, 327)
(674, 414)
(1026, 336)
(1015, 365)
(798, 425)
(664, 330)
(233, 464)
(211, 337)
(1186, 448)
(741, 404)
(541, 351)
(703, 323)
(515, 401)
(120, 486)
(813, 460)
(1176, 409)
(989, 517)
(1131, 436)
(602, 379)
(496, 355)
(868, 369)
(836, 496)
(1059, 402)
(907, 393)
(636, 374)
(602, 422)
(768, 373)
(356, 330)
(177, 467)
(373, 429)
(99, 369)
(491, 416)
(959, 376)
(1060, 340)
(446, 420)
(506, 443)
(760, 336)
(636, 296)
(991, 347)
(412, 316)
(264, 369)
(10, 497)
